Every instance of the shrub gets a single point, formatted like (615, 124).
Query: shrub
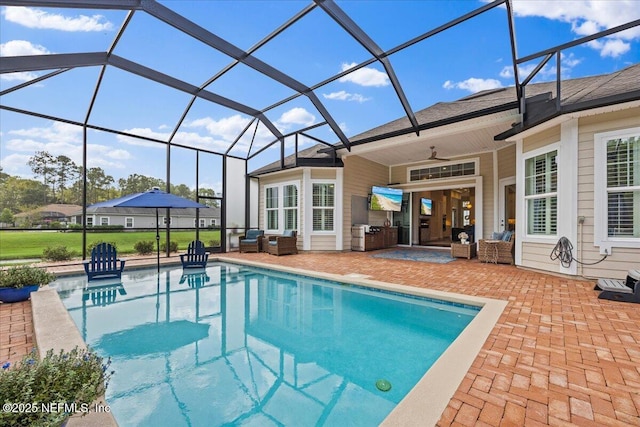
(144, 247)
(71, 379)
(172, 245)
(57, 253)
(214, 242)
(105, 228)
(24, 275)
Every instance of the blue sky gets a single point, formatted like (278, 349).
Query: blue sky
(470, 57)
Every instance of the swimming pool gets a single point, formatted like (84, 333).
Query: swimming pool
(242, 345)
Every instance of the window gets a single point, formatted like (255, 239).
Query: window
(281, 207)
(623, 186)
(213, 222)
(290, 206)
(443, 171)
(271, 204)
(89, 221)
(128, 222)
(323, 206)
(104, 220)
(201, 221)
(164, 220)
(541, 194)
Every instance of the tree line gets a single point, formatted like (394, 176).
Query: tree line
(61, 182)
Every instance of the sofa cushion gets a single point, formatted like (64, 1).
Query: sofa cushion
(289, 233)
(506, 237)
(249, 240)
(497, 235)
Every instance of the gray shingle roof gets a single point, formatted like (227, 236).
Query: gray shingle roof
(619, 86)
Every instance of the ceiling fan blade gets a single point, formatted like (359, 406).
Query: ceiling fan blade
(434, 155)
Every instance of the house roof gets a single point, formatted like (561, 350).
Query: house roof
(305, 158)
(589, 92)
(55, 209)
(575, 95)
(189, 212)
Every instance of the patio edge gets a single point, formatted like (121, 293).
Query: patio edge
(54, 329)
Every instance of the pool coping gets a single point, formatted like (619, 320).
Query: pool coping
(54, 329)
(423, 405)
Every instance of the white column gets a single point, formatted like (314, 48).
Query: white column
(568, 189)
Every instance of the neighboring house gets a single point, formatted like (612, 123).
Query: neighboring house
(563, 169)
(49, 213)
(146, 217)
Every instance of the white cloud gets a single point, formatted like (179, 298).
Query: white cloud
(13, 164)
(59, 139)
(145, 132)
(40, 19)
(588, 17)
(345, 96)
(118, 154)
(473, 84)
(21, 48)
(548, 72)
(223, 132)
(18, 77)
(227, 128)
(610, 47)
(57, 133)
(296, 116)
(364, 76)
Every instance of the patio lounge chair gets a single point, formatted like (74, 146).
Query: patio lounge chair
(104, 263)
(252, 241)
(283, 245)
(621, 290)
(196, 256)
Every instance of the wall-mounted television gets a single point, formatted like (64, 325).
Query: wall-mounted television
(385, 199)
(425, 206)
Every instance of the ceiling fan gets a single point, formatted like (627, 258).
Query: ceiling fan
(434, 155)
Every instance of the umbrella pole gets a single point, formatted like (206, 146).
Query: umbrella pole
(157, 241)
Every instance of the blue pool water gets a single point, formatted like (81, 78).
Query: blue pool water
(240, 345)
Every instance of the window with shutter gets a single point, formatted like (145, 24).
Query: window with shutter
(323, 206)
(281, 207)
(541, 194)
(623, 187)
(271, 205)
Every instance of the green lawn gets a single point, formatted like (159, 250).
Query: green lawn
(29, 244)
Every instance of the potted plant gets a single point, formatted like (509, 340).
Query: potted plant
(463, 237)
(47, 391)
(17, 283)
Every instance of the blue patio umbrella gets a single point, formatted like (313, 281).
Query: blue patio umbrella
(154, 198)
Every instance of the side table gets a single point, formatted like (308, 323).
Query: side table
(460, 250)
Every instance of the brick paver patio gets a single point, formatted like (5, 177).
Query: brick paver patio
(557, 356)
